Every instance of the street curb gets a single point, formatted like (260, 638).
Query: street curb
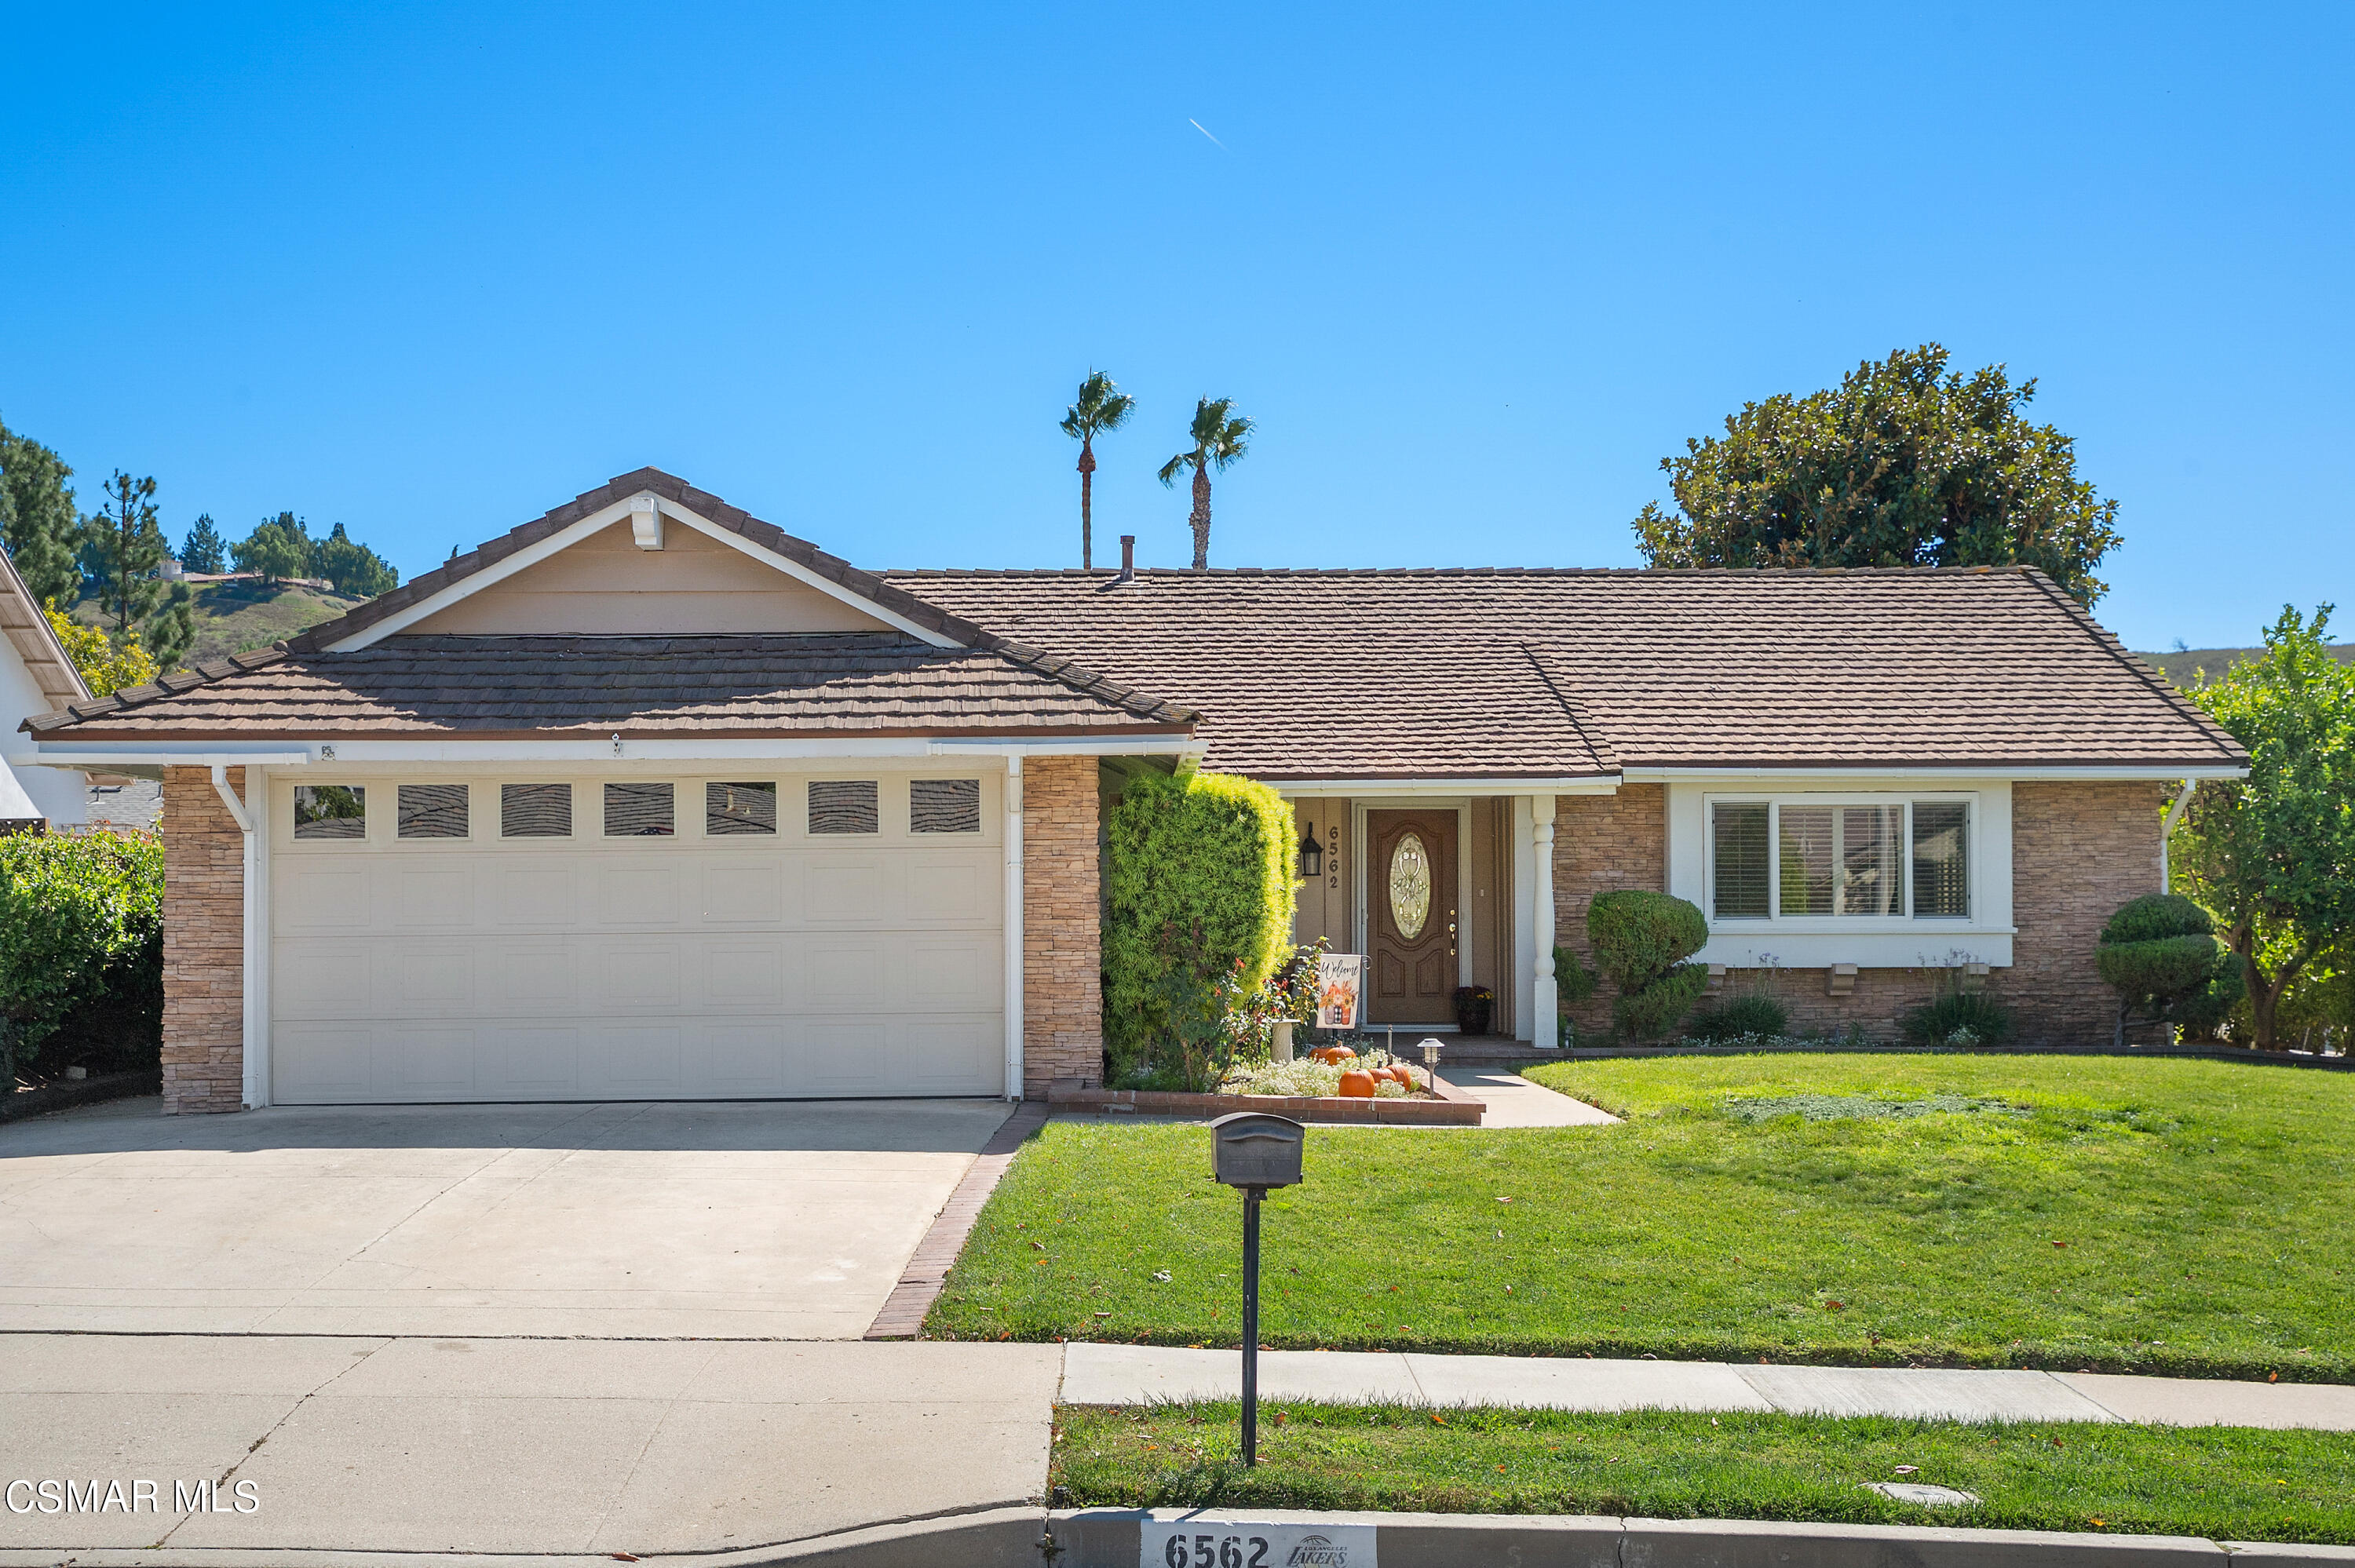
(1109, 1538)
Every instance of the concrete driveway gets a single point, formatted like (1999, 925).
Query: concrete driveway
(666, 1221)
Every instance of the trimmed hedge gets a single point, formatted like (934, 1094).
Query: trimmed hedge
(81, 951)
(1641, 941)
(1200, 900)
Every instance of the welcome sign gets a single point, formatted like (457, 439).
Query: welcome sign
(1341, 987)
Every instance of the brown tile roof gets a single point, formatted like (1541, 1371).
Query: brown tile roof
(480, 687)
(1468, 671)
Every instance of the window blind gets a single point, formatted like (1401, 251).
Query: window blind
(1871, 871)
(1808, 855)
(1740, 869)
(1942, 867)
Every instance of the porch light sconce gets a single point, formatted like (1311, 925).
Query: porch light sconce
(1312, 855)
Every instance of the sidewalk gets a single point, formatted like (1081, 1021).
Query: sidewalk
(575, 1446)
(1133, 1374)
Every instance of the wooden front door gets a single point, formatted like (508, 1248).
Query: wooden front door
(1413, 917)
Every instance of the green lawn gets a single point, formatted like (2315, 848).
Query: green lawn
(2222, 1482)
(2174, 1216)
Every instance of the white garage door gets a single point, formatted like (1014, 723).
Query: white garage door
(751, 935)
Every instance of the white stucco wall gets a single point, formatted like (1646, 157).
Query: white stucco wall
(60, 796)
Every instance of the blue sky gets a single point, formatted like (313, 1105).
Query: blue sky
(428, 271)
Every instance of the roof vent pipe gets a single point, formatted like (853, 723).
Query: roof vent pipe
(1127, 558)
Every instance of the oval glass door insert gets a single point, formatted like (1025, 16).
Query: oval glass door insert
(1410, 886)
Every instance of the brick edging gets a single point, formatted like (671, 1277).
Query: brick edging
(927, 1270)
(1452, 1108)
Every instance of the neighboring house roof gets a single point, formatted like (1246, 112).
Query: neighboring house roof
(1452, 672)
(486, 687)
(28, 631)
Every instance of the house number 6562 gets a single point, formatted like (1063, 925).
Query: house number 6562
(1216, 1551)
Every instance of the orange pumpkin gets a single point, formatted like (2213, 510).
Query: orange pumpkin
(1332, 1053)
(1357, 1085)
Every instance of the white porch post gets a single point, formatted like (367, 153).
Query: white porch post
(1012, 836)
(1545, 1027)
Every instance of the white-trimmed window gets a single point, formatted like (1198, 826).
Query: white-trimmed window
(1821, 857)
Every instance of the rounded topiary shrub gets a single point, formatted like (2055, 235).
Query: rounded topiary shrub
(1642, 941)
(2154, 917)
(1737, 1017)
(2161, 954)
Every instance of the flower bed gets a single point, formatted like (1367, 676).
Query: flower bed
(1440, 1104)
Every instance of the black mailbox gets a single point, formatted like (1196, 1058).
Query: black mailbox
(1253, 1149)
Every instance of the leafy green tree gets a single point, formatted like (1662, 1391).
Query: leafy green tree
(1220, 437)
(1902, 464)
(1102, 406)
(206, 551)
(105, 665)
(279, 547)
(39, 523)
(2272, 856)
(125, 550)
(353, 568)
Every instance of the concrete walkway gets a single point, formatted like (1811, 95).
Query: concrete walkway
(1511, 1100)
(1133, 1374)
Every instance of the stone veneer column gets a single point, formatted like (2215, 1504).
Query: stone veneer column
(204, 945)
(1062, 950)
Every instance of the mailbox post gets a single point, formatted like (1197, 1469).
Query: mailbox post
(1255, 1151)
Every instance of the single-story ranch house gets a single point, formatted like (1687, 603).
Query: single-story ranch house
(649, 800)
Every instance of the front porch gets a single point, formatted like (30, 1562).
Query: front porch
(1440, 890)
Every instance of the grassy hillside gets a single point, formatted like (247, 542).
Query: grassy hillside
(2184, 668)
(232, 616)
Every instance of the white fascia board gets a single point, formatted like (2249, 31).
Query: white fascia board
(1312, 788)
(690, 749)
(146, 754)
(597, 521)
(2030, 775)
(1077, 745)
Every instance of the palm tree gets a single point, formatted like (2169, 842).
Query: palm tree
(1220, 437)
(1102, 406)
